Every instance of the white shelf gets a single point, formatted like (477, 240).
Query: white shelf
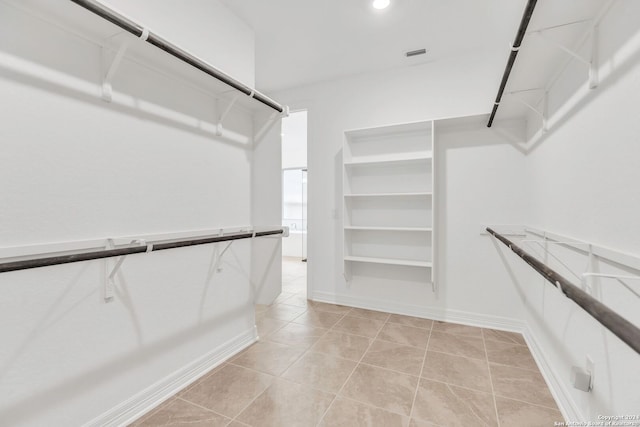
(425, 194)
(417, 229)
(392, 261)
(389, 159)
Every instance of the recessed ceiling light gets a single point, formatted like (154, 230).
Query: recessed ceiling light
(381, 4)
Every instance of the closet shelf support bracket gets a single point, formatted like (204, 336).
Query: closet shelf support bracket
(112, 67)
(591, 62)
(545, 105)
(219, 254)
(110, 276)
(225, 113)
(268, 124)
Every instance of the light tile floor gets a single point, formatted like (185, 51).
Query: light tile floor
(328, 365)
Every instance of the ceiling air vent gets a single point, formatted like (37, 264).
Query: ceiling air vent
(415, 52)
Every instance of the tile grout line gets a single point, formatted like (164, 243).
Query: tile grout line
(529, 403)
(493, 391)
(424, 360)
(343, 315)
(335, 396)
(203, 407)
(274, 377)
(353, 370)
(475, 390)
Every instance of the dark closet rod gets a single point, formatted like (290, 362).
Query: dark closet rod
(137, 30)
(129, 250)
(611, 320)
(524, 23)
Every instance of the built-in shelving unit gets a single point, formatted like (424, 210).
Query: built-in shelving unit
(388, 178)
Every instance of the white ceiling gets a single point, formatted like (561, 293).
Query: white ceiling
(303, 41)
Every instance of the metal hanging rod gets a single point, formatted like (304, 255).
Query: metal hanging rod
(617, 324)
(522, 30)
(45, 261)
(157, 41)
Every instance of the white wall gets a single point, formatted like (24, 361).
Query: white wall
(74, 168)
(582, 180)
(434, 90)
(294, 140)
(266, 210)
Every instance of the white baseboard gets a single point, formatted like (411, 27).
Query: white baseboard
(558, 388)
(141, 403)
(435, 313)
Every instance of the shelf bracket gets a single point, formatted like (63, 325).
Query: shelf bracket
(219, 255)
(545, 105)
(268, 124)
(591, 62)
(112, 67)
(219, 126)
(110, 276)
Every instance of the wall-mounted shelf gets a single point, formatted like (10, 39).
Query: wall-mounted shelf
(422, 194)
(390, 261)
(385, 160)
(117, 35)
(388, 177)
(409, 229)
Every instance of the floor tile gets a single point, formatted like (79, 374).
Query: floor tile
(504, 336)
(228, 390)
(181, 413)
(454, 328)
(268, 357)
(419, 423)
(382, 388)
(299, 300)
(315, 349)
(282, 297)
(297, 335)
(349, 413)
(449, 405)
(521, 384)
(150, 413)
(342, 345)
(331, 308)
(402, 334)
(510, 354)
(321, 371)
(369, 314)
(416, 322)
(512, 413)
(287, 404)
(457, 345)
(359, 326)
(284, 312)
(267, 325)
(398, 357)
(457, 370)
(318, 319)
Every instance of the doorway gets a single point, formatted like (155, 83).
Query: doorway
(294, 203)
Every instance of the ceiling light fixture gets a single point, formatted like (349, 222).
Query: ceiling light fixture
(381, 4)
